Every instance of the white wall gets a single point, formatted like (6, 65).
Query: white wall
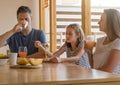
(8, 10)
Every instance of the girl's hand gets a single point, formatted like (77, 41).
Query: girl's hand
(56, 60)
(37, 44)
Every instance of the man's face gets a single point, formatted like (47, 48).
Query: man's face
(23, 18)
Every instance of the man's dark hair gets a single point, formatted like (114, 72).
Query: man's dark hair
(24, 9)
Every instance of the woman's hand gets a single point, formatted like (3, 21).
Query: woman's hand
(90, 44)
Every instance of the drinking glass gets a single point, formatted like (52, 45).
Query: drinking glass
(22, 51)
(90, 41)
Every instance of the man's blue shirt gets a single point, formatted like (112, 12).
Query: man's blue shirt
(18, 39)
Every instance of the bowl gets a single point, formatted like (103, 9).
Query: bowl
(3, 61)
(35, 62)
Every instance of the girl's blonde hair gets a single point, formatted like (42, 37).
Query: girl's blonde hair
(78, 30)
(113, 23)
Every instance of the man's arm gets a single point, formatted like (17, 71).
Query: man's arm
(8, 34)
(4, 37)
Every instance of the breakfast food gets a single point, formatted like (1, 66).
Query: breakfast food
(32, 61)
(35, 62)
(3, 56)
(22, 61)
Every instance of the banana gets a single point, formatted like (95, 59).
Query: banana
(22, 61)
(3, 56)
(35, 62)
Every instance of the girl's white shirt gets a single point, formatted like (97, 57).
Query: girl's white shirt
(102, 52)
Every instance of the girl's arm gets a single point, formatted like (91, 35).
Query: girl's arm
(42, 48)
(56, 54)
(74, 58)
(113, 60)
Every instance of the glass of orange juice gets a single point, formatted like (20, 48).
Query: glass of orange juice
(90, 41)
(22, 51)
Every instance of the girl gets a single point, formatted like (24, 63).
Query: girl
(74, 47)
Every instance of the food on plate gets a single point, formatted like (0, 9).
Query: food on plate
(35, 62)
(22, 61)
(32, 61)
(3, 55)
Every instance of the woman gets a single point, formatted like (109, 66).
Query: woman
(107, 54)
(74, 47)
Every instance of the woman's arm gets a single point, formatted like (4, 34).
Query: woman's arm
(113, 60)
(89, 49)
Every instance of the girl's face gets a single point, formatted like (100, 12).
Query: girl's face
(71, 36)
(102, 22)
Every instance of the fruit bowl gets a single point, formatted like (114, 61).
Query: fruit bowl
(35, 62)
(3, 61)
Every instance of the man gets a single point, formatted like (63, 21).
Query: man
(22, 33)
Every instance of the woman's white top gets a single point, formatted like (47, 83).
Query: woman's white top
(102, 52)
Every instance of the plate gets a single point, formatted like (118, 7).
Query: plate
(26, 66)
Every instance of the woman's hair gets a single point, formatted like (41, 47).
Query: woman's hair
(24, 9)
(78, 30)
(112, 23)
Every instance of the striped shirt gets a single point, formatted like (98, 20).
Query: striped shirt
(83, 61)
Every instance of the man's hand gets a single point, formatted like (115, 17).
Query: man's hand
(17, 28)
